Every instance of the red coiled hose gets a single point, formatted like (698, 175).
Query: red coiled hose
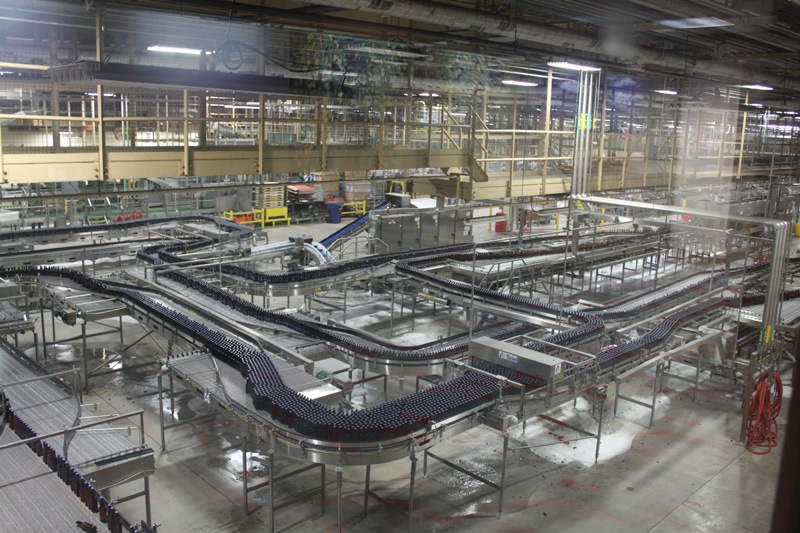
(765, 406)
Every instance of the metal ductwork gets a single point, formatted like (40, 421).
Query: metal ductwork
(504, 26)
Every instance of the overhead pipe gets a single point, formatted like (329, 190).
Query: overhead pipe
(780, 247)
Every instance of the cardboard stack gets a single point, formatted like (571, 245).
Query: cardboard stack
(353, 191)
(329, 181)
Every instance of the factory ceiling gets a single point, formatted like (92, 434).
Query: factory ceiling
(372, 43)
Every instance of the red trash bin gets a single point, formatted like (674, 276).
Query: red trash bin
(500, 225)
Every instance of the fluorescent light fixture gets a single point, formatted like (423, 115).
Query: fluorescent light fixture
(104, 94)
(240, 106)
(387, 52)
(515, 73)
(666, 91)
(429, 94)
(338, 73)
(756, 87)
(175, 50)
(520, 83)
(698, 22)
(566, 65)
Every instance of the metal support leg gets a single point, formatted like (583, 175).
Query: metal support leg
(449, 318)
(411, 492)
(171, 394)
(161, 411)
(503, 475)
(244, 475)
(77, 379)
(147, 509)
(391, 312)
(659, 371)
(599, 430)
(339, 469)
(413, 310)
(85, 358)
(44, 334)
(36, 345)
(322, 488)
(366, 489)
(425, 463)
(271, 479)
(121, 341)
(697, 378)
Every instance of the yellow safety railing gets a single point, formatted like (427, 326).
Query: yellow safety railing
(358, 207)
(260, 216)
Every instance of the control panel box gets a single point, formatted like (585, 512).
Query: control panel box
(531, 362)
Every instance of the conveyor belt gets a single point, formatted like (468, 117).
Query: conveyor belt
(50, 406)
(790, 313)
(33, 497)
(351, 229)
(402, 417)
(39, 511)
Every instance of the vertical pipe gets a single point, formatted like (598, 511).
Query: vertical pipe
(186, 163)
(261, 139)
(602, 147)
(99, 124)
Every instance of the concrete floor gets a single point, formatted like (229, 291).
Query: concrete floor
(686, 473)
